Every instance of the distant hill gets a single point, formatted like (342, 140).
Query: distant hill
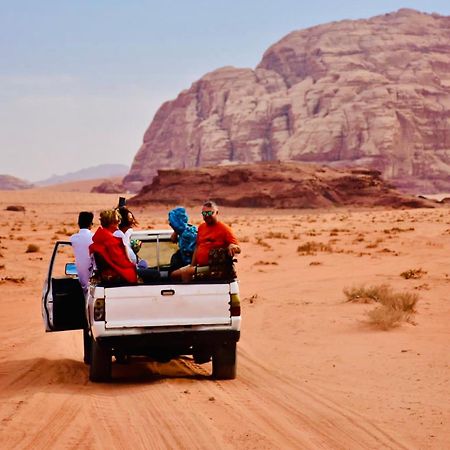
(90, 173)
(10, 183)
(81, 186)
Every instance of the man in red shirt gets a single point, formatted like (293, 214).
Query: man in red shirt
(211, 234)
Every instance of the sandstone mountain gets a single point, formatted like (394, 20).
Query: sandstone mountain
(274, 185)
(10, 183)
(372, 93)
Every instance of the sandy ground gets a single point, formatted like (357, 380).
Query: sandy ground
(312, 373)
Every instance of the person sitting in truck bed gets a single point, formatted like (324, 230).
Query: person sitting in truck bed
(115, 266)
(80, 243)
(212, 234)
(124, 230)
(185, 235)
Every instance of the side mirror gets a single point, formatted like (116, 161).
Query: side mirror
(71, 269)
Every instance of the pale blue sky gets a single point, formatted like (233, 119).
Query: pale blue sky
(81, 80)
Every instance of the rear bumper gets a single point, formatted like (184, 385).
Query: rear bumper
(142, 343)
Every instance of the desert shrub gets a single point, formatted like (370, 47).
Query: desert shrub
(64, 231)
(402, 301)
(263, 243)
(385, 317)
(18, 208)
(32, 248)
(266, 263)
(375, 244)
(413, 274)
(397, 230)
(311, 247)
(362, 294)
(395, 307)
(17, 280)
(276, 235)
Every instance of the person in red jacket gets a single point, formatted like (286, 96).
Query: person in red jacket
(115, 264)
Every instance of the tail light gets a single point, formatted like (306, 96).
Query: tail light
(99, 310)
(235, 305)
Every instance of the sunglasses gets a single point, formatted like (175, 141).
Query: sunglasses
(207, 213)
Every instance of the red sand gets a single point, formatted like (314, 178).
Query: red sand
(312, 373)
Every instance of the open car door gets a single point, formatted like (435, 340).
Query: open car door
(63, 303)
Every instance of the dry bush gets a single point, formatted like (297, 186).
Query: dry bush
(263, 243)
(401, 301)
(395, 307)
(251, 299)
(18, 280)
(397, 230)
(311, 247)
(385, 318)
(276, 235)
(375, 244)
(362, 294)
(64, 231)
(32, 248)
(414, 274)
(315, 263)
(266, 263)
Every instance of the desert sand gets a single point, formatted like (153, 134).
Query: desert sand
(312, 372)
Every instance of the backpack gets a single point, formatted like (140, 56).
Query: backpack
(221, 264)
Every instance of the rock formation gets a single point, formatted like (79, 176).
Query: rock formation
(10, 183)
(274, 185)
(373, 93)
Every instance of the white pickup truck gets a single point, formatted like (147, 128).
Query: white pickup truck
(161, 319)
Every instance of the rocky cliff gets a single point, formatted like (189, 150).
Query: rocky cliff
(274, 185)
(372, 93)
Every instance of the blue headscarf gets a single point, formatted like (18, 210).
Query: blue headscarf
(187, 233)
(178, 219)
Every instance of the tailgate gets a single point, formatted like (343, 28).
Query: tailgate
(167, 305)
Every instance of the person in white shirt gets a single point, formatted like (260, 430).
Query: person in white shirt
(80, 244)
(127, 222)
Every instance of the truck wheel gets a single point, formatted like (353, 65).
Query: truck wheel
(87, 346)
(224, 361)
(100, 368)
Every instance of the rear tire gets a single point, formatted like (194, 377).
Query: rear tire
(100, 368)
(224, 361)
(87, 346)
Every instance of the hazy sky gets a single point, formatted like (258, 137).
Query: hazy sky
(80, 80)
